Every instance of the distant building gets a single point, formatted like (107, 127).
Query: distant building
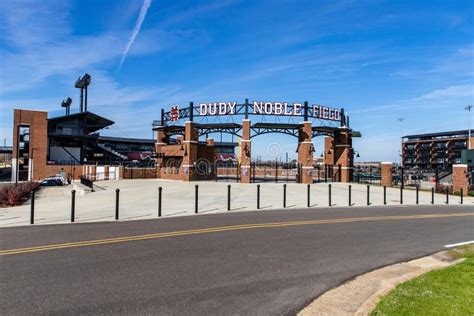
(435, 150)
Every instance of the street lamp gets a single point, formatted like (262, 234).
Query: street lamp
(401, 119)
(468, 109)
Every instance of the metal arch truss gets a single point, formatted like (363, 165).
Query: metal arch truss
(207, 131)
(267, 130)
(322, 133)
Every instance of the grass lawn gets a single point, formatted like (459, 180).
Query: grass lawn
(448, 291)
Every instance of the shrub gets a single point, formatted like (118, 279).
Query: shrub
(12, 194)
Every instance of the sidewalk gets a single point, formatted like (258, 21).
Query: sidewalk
(139, 200)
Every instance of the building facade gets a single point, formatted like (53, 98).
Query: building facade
(435, 150)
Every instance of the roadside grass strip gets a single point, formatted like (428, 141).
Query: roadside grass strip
(449, 291)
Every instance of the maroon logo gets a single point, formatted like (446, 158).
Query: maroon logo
(174, 113)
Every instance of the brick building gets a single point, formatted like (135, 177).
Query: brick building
(435, 150)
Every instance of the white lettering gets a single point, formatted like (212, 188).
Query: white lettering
(222, 108)
(212, 108)
(203, 109)
(296, 108)
(257, 107)
(232, 107)
(268, 107)
(315, 111)
(286, 110)
(278, 108)
(331, 114)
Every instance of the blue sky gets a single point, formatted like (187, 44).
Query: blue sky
(380, 60)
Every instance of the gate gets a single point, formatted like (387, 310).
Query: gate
(274, 172)
(228, 171)
(369, 175)
(139, 173)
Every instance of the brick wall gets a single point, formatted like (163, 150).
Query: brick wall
(38, 124)
(460, 179)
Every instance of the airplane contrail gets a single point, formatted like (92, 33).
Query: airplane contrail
(146, 5)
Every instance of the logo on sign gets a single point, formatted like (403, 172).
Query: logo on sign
(174, 113)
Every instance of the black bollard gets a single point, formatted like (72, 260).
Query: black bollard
(258, 196)
(447, 195)
(284, 195)
(73, 205)
(462, 195)
(350, 195)
(196, 193)
(117, 197)
(32, 207)
(308, 191)
(228, 197)
(401, 195)
(159, 201)
(417, 194)
(329, 196)
(384, 195)
(368, 194)
(432, 195)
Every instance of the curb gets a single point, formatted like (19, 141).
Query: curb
(360, 296)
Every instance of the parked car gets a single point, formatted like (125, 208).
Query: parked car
(48, 182)
(59, 177)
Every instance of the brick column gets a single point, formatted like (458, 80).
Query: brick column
(121, 171)
(190, 154)
(106, 172)
(386, 174)
(342, 156)
(245, 152)
(305, 152)
(160, 142)
(460, 179)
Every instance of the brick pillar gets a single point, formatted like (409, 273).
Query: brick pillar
(245, 152)
(106, 172)
(305, 152)
(160, 143)
(386, 174)
(342, 156)
(121, 171)
(94, 172)
(211, 157)
(190, 154)
(37, 121)
(460, 178)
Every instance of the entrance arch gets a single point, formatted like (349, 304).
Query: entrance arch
(248, 121)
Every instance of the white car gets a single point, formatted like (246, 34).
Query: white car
(58, 177)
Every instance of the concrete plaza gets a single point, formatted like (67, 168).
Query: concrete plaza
(139, 200)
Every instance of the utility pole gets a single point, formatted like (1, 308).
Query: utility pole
(468, 109)
(401, 119)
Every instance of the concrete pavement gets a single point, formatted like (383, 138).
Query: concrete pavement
(266, 270)
(139, 200)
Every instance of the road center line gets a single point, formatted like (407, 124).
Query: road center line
(225, 229)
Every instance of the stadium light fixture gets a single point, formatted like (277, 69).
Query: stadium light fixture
(83, 83)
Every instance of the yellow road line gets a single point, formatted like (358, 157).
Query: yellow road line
(224, 229)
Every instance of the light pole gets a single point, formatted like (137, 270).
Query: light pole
(468, 109)
(401, 119)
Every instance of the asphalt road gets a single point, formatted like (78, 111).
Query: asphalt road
(188, 266)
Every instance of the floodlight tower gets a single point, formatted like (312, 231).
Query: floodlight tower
(468, 109)
(67, 104)
(83, 83)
